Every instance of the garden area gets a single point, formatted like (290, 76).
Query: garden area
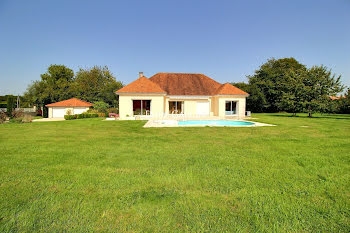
(111, 176)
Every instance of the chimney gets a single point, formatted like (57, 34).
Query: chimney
(140, 74)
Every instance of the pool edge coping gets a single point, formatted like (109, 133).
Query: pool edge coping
(153, 124)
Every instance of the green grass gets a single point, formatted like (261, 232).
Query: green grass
(93, 175)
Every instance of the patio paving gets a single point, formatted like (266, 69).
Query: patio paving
(49, 119)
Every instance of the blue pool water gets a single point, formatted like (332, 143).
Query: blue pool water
(216, 123)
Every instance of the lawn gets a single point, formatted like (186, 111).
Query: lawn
(93, 175)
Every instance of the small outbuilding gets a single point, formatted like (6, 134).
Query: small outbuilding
(74, 106)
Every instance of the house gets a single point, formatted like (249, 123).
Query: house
(75, 106)
(180, 94)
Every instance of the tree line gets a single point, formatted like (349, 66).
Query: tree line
(278, 85)
(96, 84)
(287, 85)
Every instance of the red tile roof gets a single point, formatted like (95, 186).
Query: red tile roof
(229, 89)
(186, 84)
(141, 85)
(181, 84)
(70, 103)
(335, 97)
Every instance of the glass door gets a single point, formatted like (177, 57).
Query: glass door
(176, 107)
(230, 108)
(141, 107)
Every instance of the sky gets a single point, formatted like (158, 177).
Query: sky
(225, 40)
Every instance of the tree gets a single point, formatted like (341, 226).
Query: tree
(54, 86)
(269, 82)
(319, 83)
(57, 83)
(309, 90)
(344, 103)
(10, 105)
(292, 96)
(97, 84)
(256, 101)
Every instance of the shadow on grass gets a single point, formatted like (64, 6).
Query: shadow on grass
(335, 116)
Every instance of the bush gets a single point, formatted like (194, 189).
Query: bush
(2, 117)
(16, 120)
(81, 116)
(17, 114)
(91, 110)
(10, 105)
(113, 110)
(27, 118)
(70, 117)
(101, 106)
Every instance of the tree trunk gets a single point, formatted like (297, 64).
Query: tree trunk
(310, 114)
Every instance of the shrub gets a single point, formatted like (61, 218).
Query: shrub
(101, 106)
(39, 112)
(10, 105)
(101, 114)
(70, 117)
(27, 118)
(113, 110)
(91, 110)
(16, 120)
(80, 116)
(2, 117)
(17, 114)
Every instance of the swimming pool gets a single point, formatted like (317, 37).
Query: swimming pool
(216, 123)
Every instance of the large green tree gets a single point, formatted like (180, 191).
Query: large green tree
(97, 84)
(59, 83)
(319, 83)
(343, 104)
(309, 90)
(55, 85)
(292, 97)
(256, 101)
(270, 81)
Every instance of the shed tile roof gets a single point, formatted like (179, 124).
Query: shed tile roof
(70, 103)
(335, 97)
(141, 85)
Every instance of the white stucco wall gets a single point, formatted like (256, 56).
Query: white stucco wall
(80, 110)
(160, 105)
(74, 110)
(190, 106)
(241, 101)
(125, 104)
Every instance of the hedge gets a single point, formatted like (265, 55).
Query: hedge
(80, 116)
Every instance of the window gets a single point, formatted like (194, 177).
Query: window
(176, 107)
(141, 107)
(230, 107)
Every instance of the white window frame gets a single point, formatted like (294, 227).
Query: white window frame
(236, 113)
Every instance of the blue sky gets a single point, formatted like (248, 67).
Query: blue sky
(225, 40)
